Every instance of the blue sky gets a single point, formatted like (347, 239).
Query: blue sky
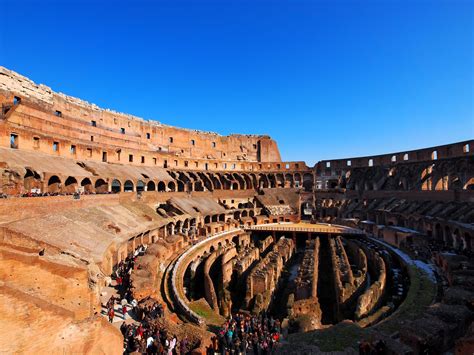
(326, 79)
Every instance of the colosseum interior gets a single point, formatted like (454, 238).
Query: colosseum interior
(188, 228)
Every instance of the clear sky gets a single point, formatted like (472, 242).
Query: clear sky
(326, 79)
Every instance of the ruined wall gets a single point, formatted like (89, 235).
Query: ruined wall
(370, 299)
(53, 117)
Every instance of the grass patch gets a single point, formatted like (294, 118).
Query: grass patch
(420, 295)
(336, 338)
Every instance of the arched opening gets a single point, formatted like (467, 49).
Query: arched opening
(180, 186)
(237, 215)
(116, 186)
(308, 182)
(101, 186)
(161, 186)
(172, 186)
(222, 218)
(207, 219)
(288, 180)
(128, 186)
(140, 186)
(280, 180)
(70, 185)
(469, 185)
(214, 218)
(235, 186)
(263, 181)
(179, 226)
(442, 184)
(31, 180)
(54, 184)
(251, 213)
(244, 213)
(150, 186)
(297, 180)
(198, 186)
(170, 229)
(87, 185)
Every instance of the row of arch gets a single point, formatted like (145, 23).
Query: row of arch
(182, 182)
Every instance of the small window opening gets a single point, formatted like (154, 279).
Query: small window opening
(371, 162)
(213, 144)
(130, 158)
(193, 142)
(434, 155)
(148, 136)
(328, 164)
(93, 123)
(122, 130)
(89, 151)
(405, 157)
(14, 141)
(58, 113)
(143, 159)
(36, 142)
(104, 157)
(154, 161)
(73, 149)
(92, 138)
(186, 163)
(55, 146)
(165, 164)
(465, 149)
(171, 139)
(16, 100)
(349, 163)
(175, 163)
(394, 158)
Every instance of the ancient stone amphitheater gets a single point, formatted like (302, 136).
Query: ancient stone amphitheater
(359, 252)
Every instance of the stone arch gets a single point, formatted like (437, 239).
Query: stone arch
(31, 180)
(272, 180)
(180, 185)
(248, 181)
(251, 213)
(222, 217)
(161, 186)
(469, 185)
(198, 186)
(150, 186)
(172, 186)
(128, 186)
(170, 228)
(263, 181)
(308, 182)
(241, 181)
(237, 215)
(244, 213)
(70, 185)
(297, 180)
(54, 184)
(289, 180)
(140, 186)
(207, 219)
(116, 186)
(178, 227)
(86, 183)
(441, 183)
(280, 180)
(101, 186)
(214, 218)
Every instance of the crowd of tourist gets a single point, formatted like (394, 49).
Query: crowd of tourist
(244, 333)
(149, 336)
